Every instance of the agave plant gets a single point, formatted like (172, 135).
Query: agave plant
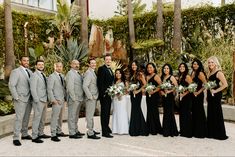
(71, 51)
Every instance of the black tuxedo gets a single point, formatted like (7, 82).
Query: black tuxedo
(105, 78)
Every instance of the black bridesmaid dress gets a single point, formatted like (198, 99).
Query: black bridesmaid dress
(215, 119)
(185, 113)
(169, 123)
(153, 119)
(198, 112)
(138, 126)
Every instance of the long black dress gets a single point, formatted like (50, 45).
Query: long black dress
(153, 120)
(138, 126)
(215, 120)
(185, 116)
(169, 124)
(198, 112)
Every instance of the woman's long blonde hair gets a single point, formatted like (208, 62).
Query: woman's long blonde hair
(216, 61)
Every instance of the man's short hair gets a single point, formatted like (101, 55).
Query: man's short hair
(108, 55)
(23, 56)
(40, 60)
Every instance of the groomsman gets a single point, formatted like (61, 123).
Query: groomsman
(75, 98)
(20, 90)
(56, 94)
(105, 79)
(38, 88)
(91, 91)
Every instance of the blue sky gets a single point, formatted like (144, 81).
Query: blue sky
(105, 8)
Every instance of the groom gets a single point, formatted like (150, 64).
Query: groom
(105, 79)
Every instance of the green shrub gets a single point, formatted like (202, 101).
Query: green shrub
(6, 108)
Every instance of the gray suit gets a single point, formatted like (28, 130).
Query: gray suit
(75, 97)
(38, 88)
(20, 90)
(56, 92)
(91, 92)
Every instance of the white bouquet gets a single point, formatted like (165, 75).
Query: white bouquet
(133, 87)
(116, 90)
(149, 88)
(180, 89)
(210, 85)
(166, 86)
(192, 87)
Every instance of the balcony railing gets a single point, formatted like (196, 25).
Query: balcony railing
(41, 4)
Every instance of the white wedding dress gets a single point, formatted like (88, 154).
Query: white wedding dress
(120, 122)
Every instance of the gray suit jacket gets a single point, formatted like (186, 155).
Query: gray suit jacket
(74, 86)
(19, 84)
(90, 84)
(38, 87)
(55, 89)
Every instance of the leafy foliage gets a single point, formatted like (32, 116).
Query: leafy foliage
(6, 108)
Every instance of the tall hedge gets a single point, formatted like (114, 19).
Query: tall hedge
(144, 25)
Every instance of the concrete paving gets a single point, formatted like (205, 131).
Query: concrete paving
(122, 145)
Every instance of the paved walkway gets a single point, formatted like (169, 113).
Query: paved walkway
(122, 145)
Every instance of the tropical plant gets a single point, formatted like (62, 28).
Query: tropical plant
(66, 20)
(35, 53)
(6, 108)
(122, 8)
(4, 90)
(71, 51)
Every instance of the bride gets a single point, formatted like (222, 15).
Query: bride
(120, 123)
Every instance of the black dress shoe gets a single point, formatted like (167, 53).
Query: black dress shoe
(80, 134)
(61, 134)
(44, 136)
(93, 137)
(16, 143)
(75, 136)
(107, 135)
(37, 140)
(96, 132)
(26, 137)
(55, 139)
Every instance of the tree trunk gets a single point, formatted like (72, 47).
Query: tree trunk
(222, 2)
(233, 85)
(159, 20)
(9, 49)
(176, 41)
(131, 27)
(84, 22)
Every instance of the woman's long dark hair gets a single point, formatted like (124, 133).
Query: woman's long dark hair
(182, 75)
(123, 78)
(170, 72)
(200, 67)
(132, 73)
(154, 67)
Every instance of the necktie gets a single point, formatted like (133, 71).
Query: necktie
(110, 71)
(44, 77)
(61, 79)
(27, 73)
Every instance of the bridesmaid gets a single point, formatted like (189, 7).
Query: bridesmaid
(185, 104)
(169, 123)
(153, 120)
(215, 120)
(138, 125)
(198, 113)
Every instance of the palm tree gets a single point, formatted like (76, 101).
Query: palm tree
(9, 49)
(176, 41)
(138, 7)
(131, 27)
(222, 2)
(160, 20)
(84, 22)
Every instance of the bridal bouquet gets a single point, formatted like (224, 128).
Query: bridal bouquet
(116, 90)
(133, 87)
(192, 87)
(149, 88)
(210, 85)
(166, 86)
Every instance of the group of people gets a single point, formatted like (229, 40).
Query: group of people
(35, 90)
